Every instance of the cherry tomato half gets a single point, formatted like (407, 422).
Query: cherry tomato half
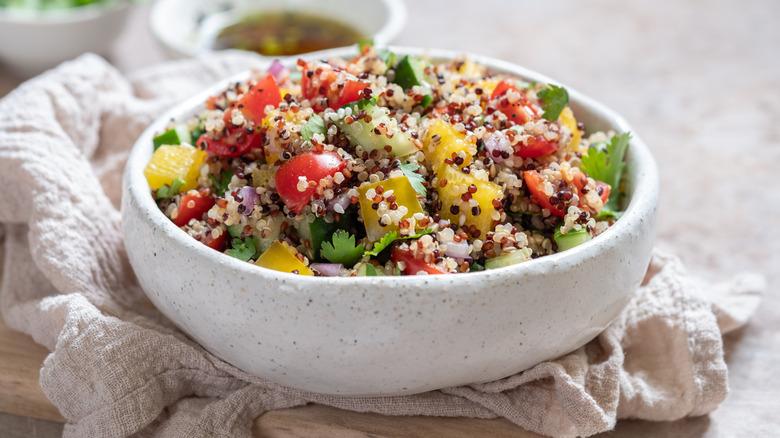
(534, 182)
(314, 166)
(193, 206)
(412, 265)
(536, 147)
(513, 111)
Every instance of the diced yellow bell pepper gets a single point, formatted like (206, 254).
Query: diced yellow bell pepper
(457, 185)
(404, 196)
(174, 161)
(442, 140)
(567, 119)
(280, 257)
(487, 86)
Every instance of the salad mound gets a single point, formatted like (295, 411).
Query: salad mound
(387, 165)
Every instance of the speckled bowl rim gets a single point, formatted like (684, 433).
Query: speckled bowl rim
(643, 201)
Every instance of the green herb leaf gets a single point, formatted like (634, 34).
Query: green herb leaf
(555, 100)
(343, 249)
(370, 270)
(383, 243)
(244, 249)
(607, 165)
(391, 237)
(167, 191)
(414, 178)
(475, 267)
(221, 186)
(315, 125)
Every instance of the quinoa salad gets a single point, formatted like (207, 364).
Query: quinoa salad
(387, 165)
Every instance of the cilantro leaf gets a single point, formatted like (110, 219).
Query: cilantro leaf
(167, 191)
(222, 184)
(555, 100)
(607, 165)
(243, 249)
(343, 249)
(315, 125)
(383, 243)
(391, 237)
(414, 178)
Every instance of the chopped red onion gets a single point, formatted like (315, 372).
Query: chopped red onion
(249, 198)
(327, 269)
(277, 69)
(458, 250)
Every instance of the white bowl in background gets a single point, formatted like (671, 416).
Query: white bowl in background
(34, 41)
(391, 335)
(177, 24)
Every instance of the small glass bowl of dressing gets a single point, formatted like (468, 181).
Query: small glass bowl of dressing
(187, 28)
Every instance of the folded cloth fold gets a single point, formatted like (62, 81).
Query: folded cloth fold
(118, 368)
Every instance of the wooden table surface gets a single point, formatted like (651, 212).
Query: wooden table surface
(700, 82)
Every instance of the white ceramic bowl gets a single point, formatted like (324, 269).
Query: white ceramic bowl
(181, 25)
(391, 335)
(34, 41)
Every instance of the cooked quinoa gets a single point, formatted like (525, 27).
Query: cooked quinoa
(385, 165)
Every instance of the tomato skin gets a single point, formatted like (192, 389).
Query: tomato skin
(532, 181)
(193, 206)
(513, 111)
(263, 93)
(352, 92)
(536, 147)
(236, 143)
(219, 242)
(413, 266)
(581, 179)
(321, 87)
(312, 165)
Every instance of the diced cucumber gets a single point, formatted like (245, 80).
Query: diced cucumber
(410, 72)
(365, 133)
(367, 270)
(235, 230)
(570, 239)
(511, 258)
(175, 136)
(274, 225)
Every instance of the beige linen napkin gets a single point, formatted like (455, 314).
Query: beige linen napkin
(118, 368)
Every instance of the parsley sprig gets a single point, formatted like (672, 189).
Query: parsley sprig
(342, 249)
(555, 99)
(221, 184)
(391, 237)
(607, 165)
(243, 249)
(315, 125)
(414, 178)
